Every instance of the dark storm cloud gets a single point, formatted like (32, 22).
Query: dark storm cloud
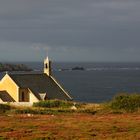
(90, 30)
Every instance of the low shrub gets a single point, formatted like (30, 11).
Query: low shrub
(128, 103)
(35, 111)
(88, 111)
(4, 108)
(46, 111)
(2, 138)
(54, 104)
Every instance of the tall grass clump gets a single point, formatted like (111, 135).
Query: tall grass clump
(125, 102)
(4, 108)
(54, 104)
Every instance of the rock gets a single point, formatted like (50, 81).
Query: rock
(73, 108)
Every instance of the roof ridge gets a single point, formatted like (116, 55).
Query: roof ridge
(26, 73)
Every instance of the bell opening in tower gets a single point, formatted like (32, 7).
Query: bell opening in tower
(46, 66)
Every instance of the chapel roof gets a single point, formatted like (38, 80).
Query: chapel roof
(40, 83)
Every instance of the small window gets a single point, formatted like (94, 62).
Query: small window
(22, 96)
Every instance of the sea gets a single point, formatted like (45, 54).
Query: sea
(98, 82)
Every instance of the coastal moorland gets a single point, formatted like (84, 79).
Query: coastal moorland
(118, 119)
(70, 126)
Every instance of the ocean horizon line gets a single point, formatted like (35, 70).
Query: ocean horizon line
(115, 62)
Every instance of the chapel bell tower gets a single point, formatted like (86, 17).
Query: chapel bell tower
(47, 66)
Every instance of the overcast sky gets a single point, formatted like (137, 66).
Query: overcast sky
(70, 30)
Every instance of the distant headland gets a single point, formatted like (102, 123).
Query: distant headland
(13, 67)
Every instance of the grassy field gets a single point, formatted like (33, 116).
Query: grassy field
(118, 119)
(70, 126)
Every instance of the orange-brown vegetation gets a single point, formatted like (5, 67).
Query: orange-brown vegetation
(118, 119)
(70, 126)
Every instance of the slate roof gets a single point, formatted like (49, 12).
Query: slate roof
(40, 83)
(5, 97)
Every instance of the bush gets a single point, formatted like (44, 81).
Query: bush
(89, 111)
(34, 111)
(54, 104)
(4, 108)
(128, 103)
